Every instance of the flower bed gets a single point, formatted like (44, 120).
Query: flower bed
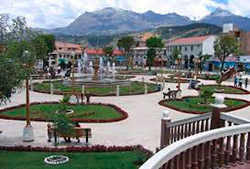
(123, 114)
(87, 149)
(227, 89)
(190, 105)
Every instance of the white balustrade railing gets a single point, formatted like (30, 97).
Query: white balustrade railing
(168, 153)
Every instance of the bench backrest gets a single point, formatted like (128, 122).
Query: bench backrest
(78, 132)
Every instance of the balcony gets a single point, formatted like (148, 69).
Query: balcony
(212, 141)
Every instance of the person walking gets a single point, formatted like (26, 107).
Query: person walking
(246, 83)
(235, 81)
(240, 82)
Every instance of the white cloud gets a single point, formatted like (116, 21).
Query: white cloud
(55, 13)
(240, 7)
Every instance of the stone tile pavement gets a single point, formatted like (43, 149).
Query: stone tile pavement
(142, 127)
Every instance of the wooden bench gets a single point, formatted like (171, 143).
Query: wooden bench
(79, 133)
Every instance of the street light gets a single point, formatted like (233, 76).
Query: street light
(28, 134)
(179, 61)
(73, 63)
(197, 61)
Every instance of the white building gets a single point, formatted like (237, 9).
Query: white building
(191, 47)
(140, 56)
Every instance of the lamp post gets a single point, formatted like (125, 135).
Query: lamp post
(73, 63)
(179, 62)
(197, 61)
(28, 134)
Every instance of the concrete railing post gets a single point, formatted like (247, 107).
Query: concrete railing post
(51, 88)
(31, 84)
(217, 108)
(83, 89)
(165, 131)
(118, 90)
(146, 88)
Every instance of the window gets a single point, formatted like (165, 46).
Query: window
(60, 48)
(186, 48)
(180, 48)
(192, 48)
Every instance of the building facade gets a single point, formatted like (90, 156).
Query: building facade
(140, 56)
(242, 37)
(191, 47)
(65, 52)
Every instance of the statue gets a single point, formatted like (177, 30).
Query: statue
(96, 70)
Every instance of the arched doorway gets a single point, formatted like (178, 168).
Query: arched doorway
(186, 62)
(192, 61)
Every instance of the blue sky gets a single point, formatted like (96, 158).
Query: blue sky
(222, 1)
(59, 13)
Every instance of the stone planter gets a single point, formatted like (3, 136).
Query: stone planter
(56, 159)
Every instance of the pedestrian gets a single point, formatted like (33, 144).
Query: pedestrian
(246, 83)
(50, 132)
(240, 82)
(235, 81)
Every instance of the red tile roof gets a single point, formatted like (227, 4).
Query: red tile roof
(67, 48)
(187, 41)
(101, 52)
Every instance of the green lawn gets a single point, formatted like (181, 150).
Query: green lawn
(227, 89)
(134, 88)
(80, 111)
(192, 104)
(35, 160)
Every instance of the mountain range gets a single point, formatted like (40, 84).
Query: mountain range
(110, 21)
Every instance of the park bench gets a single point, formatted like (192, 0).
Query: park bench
(78, 133)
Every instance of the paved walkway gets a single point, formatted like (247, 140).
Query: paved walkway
(142, 126)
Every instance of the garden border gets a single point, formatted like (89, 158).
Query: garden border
(244, 90)
(193, 112)
(124, 114)
(96, 95)
(69, 149)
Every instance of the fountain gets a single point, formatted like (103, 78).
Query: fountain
(95, 76)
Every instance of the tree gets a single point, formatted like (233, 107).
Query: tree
(206, 94)
(22, 48)
(15, 39)
(203, 59)
(126, 43)
(175, 54)
(49, 40)
(224, 46)
(108, 52)
(154, 44)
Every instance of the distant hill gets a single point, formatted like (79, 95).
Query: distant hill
(220, 16)
(110, 21)
(196, 29)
